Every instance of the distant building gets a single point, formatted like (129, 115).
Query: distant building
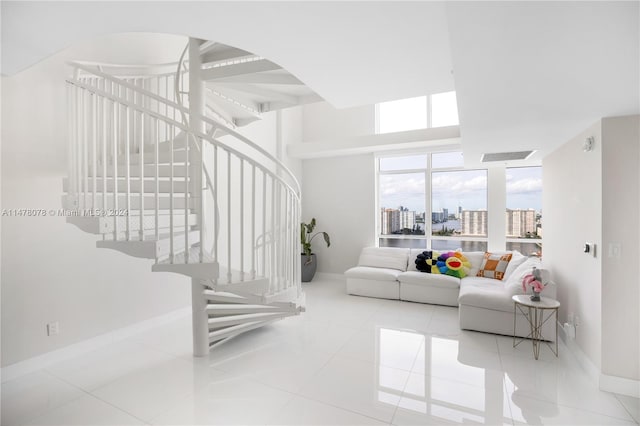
(407, 219)
(439, 217)
(473, 222)
(391, 220)
(520, 222)
(395, 220)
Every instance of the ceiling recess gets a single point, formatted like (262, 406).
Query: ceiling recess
(506, 156)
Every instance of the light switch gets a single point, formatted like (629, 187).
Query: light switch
(615, 250)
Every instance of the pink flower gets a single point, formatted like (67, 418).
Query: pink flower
(530, 280)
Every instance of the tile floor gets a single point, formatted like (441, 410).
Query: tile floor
(347, 361)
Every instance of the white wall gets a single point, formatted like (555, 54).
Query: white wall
(340, 193)
(593, 197)
(620, 224)
(322, 122)
(52, 271)
(572, 203)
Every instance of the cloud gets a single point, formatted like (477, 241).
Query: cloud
(459, 183)
(524, 186)
(401, 185)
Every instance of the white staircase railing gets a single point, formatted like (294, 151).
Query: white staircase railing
(131, 152)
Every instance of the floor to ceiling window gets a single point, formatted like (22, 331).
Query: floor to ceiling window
(524, 209)
(429, 201)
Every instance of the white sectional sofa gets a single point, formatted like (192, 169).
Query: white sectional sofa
(484, 303)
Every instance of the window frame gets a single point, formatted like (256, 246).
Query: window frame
(537, 241)
(429, 113)
(428, 171)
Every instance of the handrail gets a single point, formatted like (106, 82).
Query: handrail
(132, 69)
(129, 115)
(181, 109)
(185, 129)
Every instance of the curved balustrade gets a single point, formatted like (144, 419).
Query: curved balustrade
(130, 147)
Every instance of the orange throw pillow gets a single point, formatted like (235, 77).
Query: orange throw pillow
(494, 265)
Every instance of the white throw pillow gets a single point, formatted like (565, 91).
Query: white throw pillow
(514, 282)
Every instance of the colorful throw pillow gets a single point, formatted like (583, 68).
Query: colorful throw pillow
(454, 264)
(426, 262)
(494, 265)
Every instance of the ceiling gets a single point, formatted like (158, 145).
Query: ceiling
(528, 75)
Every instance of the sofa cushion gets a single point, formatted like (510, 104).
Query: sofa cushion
(371, 273)
(428, 280)
(517, 259)
(485, 293)
(475, 258)
(384, 257)
(494, 265)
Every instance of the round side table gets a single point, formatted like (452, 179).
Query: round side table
(537, 313)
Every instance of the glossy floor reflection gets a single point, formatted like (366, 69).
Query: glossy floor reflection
(347, 361)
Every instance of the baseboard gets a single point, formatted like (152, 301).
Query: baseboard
(330, 275)
(42, 361)
(620, 385)
(604, 382)
(581, 359)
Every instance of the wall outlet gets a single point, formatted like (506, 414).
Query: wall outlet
(570, 330)
(53, 328)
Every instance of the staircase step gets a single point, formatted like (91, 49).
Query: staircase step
(224, 333)
(289, 298)
(164, 186)
(164, 170)
(179, 156)
(107, 225)
(151, 248)
(226, 297)
(233, 280)
(73, 203)
(226, 321)
(179, 143)
(222, 309)
(191, 266)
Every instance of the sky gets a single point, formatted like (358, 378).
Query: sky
(467, 188)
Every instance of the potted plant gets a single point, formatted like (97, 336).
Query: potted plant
(308, 258)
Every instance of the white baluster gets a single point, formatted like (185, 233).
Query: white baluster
(105, 140)
(216, 169)
(94, 142)
(229, 217)
(264, 224)
(127, 159)
(241, 219)
(116, 133)
(201, 193)
(186, 197)
(171, 207)
(274, 233)
(157, 179)
(141, 175)
(253, 221)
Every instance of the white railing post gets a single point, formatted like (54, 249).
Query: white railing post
(200, 318)
(196, 126)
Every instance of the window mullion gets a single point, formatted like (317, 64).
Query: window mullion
(428, 202)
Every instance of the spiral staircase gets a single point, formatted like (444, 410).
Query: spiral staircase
(158, 169)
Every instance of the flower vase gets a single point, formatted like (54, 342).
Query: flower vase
(536, 296)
